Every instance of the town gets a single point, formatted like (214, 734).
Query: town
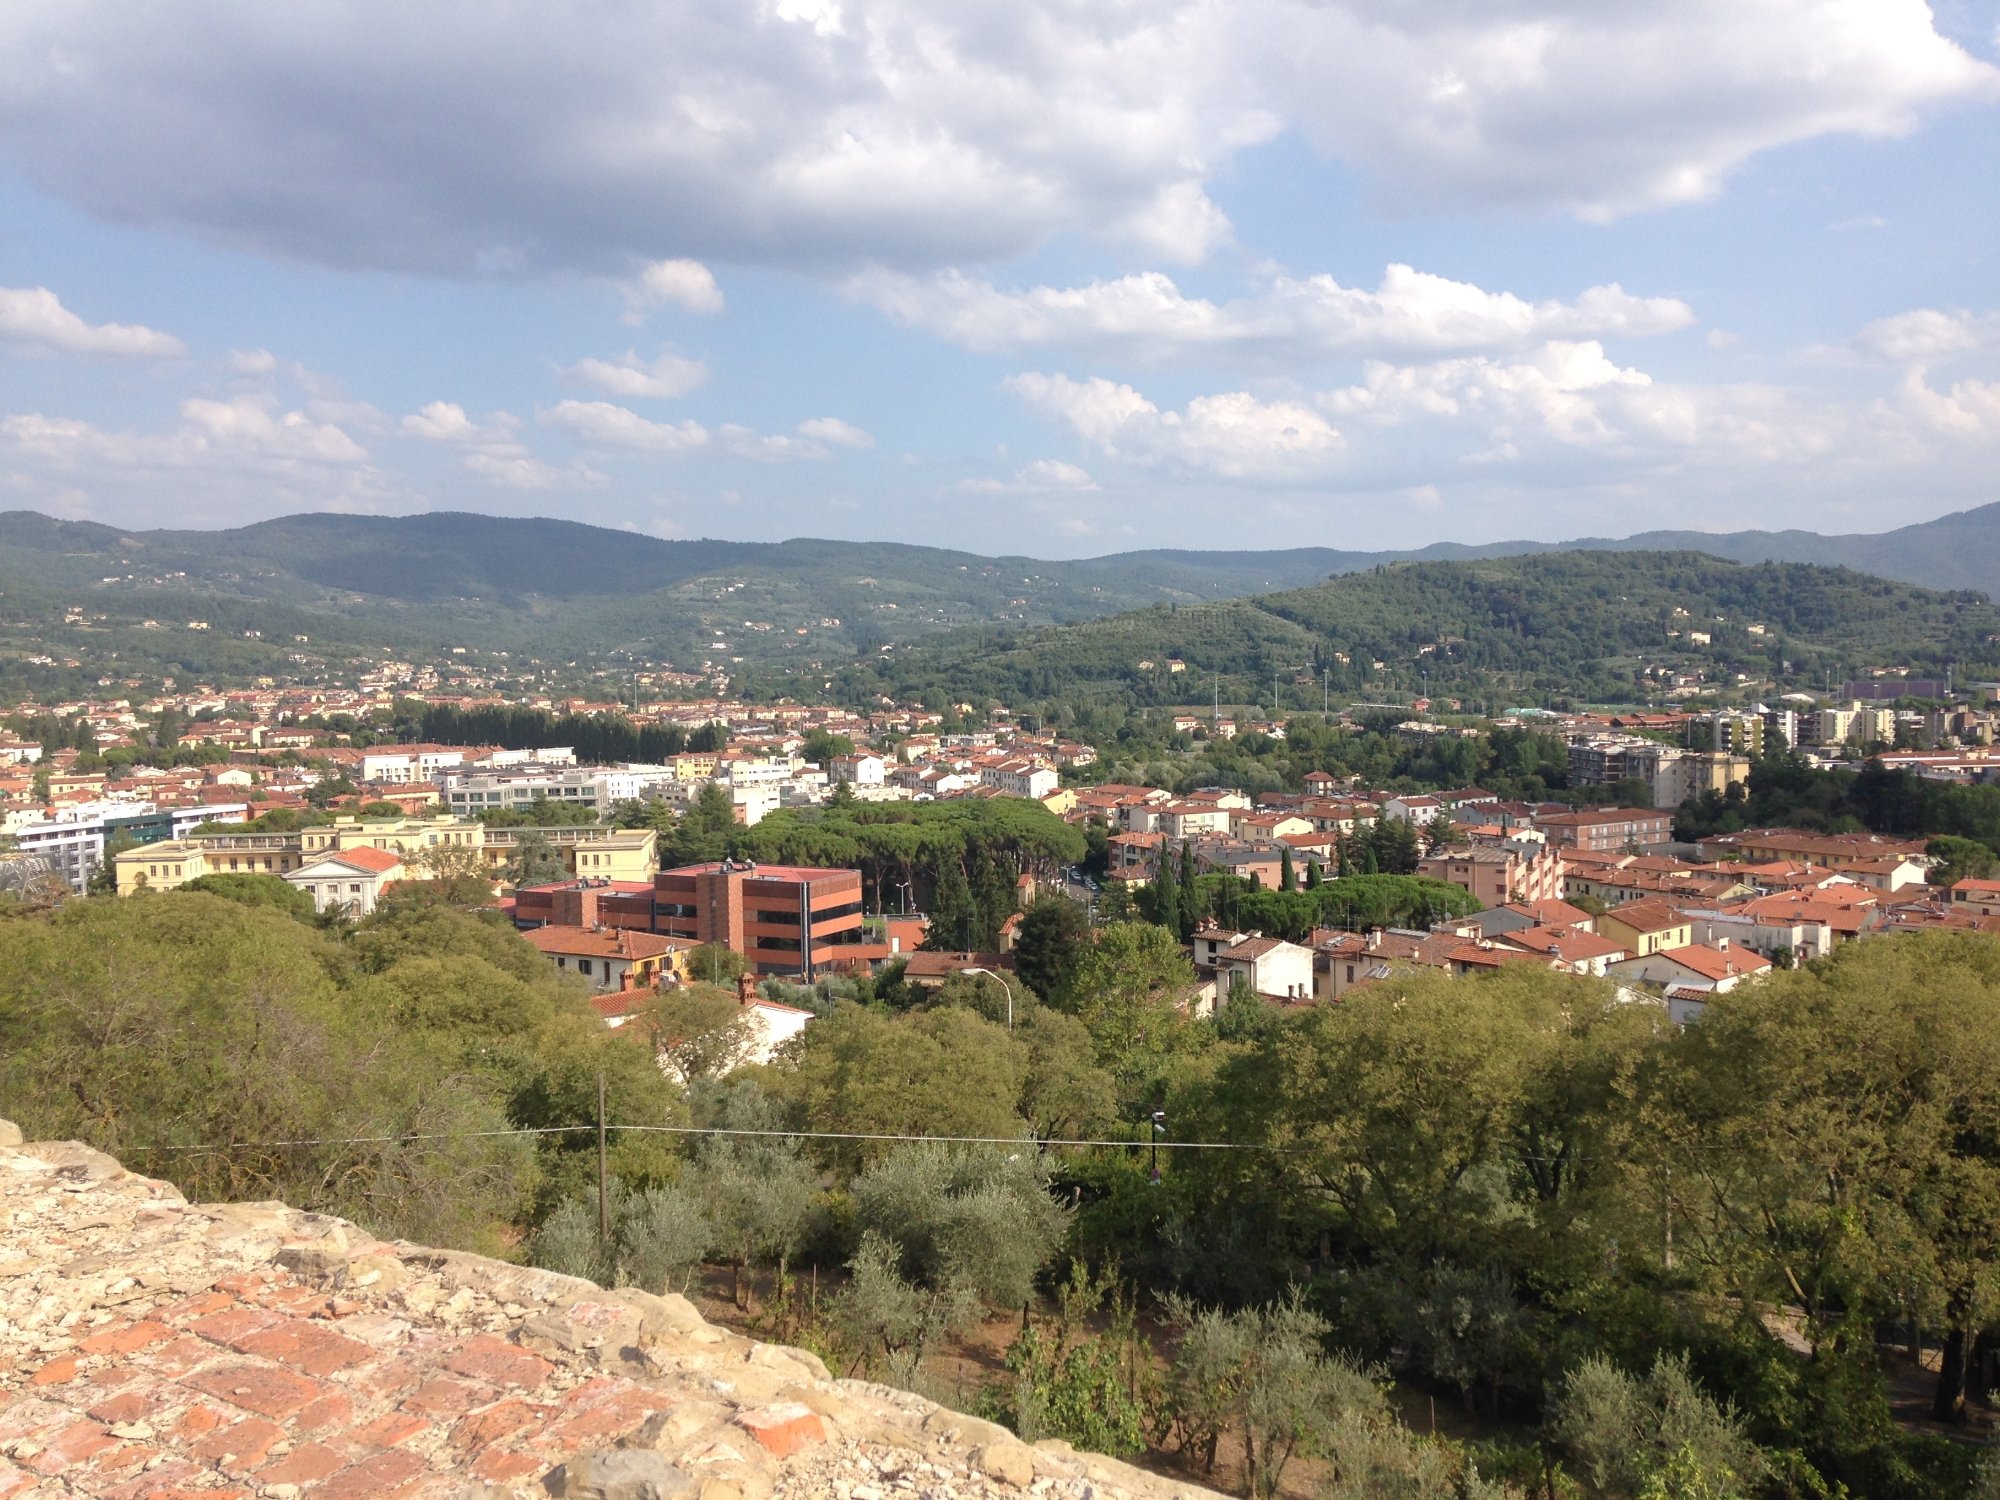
(224, 782)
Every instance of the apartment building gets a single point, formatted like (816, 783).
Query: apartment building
(1607, 829)
(790, 920)
(594, 788)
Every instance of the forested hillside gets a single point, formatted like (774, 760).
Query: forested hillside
(793, 611)
(1570, 626)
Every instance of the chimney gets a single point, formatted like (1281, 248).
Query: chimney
(746, 989)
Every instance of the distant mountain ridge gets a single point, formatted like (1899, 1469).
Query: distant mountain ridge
(1552, 627)
(560, 588)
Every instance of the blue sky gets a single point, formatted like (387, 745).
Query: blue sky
(1059, 277)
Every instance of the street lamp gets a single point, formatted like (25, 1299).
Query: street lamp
(1003, 985)
(1159, 1129)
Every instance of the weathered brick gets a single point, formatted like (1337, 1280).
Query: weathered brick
(128, 1339)
(200, 1305)
(151, 1482)
(502, 1465)
(123, 1458)
(244, 1283)
(183, 1354)
(233, 1325)
(239, 1447)
(196, 1420)
(784, 1428)
(387, 1430)
(447, 1398)
(331, 1410)
(262, 1389)
(307, 1346)
(482, 1429)
(58, 1371)
(31, 1415)
(13, 1481)
(303, 1465)
(371, 1477)
(128, 1406)
(609, 1416)
(494, 1359)
(68, 1446)
(390, 1378)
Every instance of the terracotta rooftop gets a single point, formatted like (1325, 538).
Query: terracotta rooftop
(602, 942)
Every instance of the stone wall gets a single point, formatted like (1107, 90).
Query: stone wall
(150, 1347)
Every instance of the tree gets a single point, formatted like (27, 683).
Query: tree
(706, 832)
(702, 1032)
(536, 861)
(936, 1072)
(1955, 859)
(1827, 1153)
(1263, 1374)
(258, 890)
(716, 964)
(975, 1217)
(1053, 934)
(1632, 1437)
(1288, 878)
(952, 915)
(1165, 895)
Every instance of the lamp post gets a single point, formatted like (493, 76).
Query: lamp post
(1003, 985)
(1159, 1129)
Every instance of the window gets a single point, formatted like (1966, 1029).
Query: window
(583, 966)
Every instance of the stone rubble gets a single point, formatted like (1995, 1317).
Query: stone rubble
(153, 1349)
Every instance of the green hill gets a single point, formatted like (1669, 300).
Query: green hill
(1582, 625)
(802, 609)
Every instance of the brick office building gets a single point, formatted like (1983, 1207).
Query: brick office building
(789, 920)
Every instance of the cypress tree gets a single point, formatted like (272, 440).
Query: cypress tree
(1288, 877)
(1166, 897)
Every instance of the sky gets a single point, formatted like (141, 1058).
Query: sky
(1044, 277)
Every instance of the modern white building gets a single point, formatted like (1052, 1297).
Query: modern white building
(73, 843)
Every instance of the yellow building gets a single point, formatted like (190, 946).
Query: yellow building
(424, 845)
(427, 846)
(1646, 927)
(591, 852)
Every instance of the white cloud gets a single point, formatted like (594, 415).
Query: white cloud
(253, 362)
(679, 283)
(35, 315)
(833, 430)
(248, 425)
(1969, 409)
(219, 462)
(522, 471)
(1601, 110)
(903, 133)
(1926, 333)
(442, 422)
(1042, 477)
(666, 377)
(610, 425)
(1148, 317)
(1230, 436)
(617, 427)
